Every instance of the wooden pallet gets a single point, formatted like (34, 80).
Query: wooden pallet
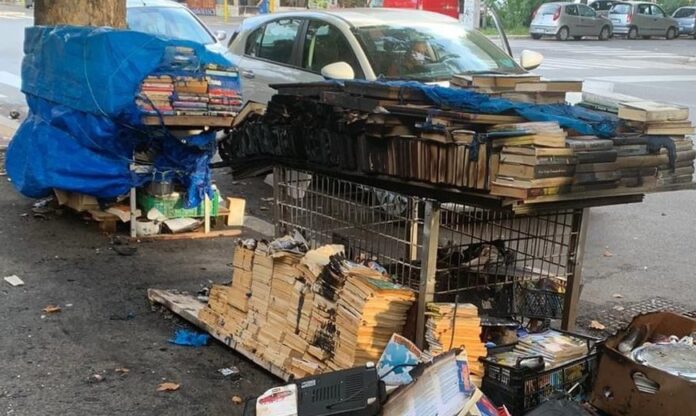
(188, 307)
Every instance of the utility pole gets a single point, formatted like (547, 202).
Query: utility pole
(80, 13)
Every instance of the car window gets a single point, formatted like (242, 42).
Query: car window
(621, 8)
(254, 42)
(170, 22)
(684, 12)
(547, 9)
(325, 44)
(431, 52)
(657, 11)
(586, 11)
(644, 9)
(276, 41)
(571, 10)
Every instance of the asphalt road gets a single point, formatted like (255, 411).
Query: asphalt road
(638, 251)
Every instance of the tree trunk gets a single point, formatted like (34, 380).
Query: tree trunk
(80, 13)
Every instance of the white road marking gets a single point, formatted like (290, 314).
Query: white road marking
(14, 15)
(637, 79)
(10, 79)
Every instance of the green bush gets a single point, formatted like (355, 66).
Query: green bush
(670, 6)
(514, 13)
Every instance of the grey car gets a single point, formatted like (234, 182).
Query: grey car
(602, 7)
(686, 17)
(565, 20)
(633, 19)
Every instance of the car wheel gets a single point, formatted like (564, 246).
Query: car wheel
(563, 34)
(536, 36)
(671, 33)
(633, 33)
(605, 33)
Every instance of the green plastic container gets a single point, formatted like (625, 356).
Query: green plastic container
(172, 206)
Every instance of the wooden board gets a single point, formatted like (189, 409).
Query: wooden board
(454, 115)
(195, 235)
(188, 121)
(188, 307)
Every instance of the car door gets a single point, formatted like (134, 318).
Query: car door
(271, 56)
(590, 22)
(643, 20)
(571, 18)
(661, 22)
(324, 44)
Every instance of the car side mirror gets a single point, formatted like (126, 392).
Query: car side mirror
(530, 60)
(338, 70)
(220, 35)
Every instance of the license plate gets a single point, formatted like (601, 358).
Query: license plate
(616, 21)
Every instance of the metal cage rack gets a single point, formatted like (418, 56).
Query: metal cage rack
(495, 258)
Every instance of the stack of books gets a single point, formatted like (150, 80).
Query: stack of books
(451, 326)
(223, 91)
(524, 88)
(190, 96)
(306, 312)
(556, 348)
(664, 143)
(369, 311)
(596, 168)
(155, 95)
(533, 160)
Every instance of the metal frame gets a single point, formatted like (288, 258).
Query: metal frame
(442, 250)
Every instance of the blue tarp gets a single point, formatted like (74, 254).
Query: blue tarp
(584, 121)
(83, 125)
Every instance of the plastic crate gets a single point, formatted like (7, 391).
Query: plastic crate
(172, 206)
(521, 389)
(537, 303)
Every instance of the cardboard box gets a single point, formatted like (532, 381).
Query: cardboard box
(78, 202)
(615, 391)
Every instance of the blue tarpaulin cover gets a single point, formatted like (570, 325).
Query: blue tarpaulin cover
(83, 125)
(584, 121)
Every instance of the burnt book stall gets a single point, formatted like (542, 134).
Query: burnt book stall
(439, 219)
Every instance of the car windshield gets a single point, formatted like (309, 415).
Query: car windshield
(171, 22)
(621, 9)
(684, 13)
(431, 53)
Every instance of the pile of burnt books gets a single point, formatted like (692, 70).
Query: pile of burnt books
(306, 312)
(526, 88)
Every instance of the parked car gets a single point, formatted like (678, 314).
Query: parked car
(634, 19)
(371, 43)
(171, 19)
(602, 7)
(686, 17)
(565, 20)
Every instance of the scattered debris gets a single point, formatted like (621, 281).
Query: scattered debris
(125, 250)
(14, 280)
(155, 215)
(51, 309)
(270, 199)
(231, 372)
(204, 294)
(168, 386)
(597, 325)
(181, 225)
(619, 308)
(122, 370)
(237, 400)
(263, 208)
(127, 317)
(189, 338)
(96, 378)
(14, 115)
(617, 295)
(608, 253)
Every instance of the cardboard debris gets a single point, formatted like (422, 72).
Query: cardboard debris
(14, 280)
(597, 325)
(168, 386)
(51, 309)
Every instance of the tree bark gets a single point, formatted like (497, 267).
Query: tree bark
(80, 13)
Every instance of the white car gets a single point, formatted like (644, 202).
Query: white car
(368, 44)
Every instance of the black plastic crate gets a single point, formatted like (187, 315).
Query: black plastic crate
(537, 303)
(521, 389)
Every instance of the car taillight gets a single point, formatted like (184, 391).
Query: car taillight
(557, 13)
(629, 18)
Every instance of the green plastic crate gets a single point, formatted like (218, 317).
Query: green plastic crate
(172, 206)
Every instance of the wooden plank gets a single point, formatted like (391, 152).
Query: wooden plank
(526, 208)
(195, 235)
(188, 307)
(574, 284)
(188, 121)
(460, 116)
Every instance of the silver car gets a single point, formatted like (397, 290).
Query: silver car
(602, 7)
(633, 19)
(565, 20)
(686, 17)
(370, 44)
